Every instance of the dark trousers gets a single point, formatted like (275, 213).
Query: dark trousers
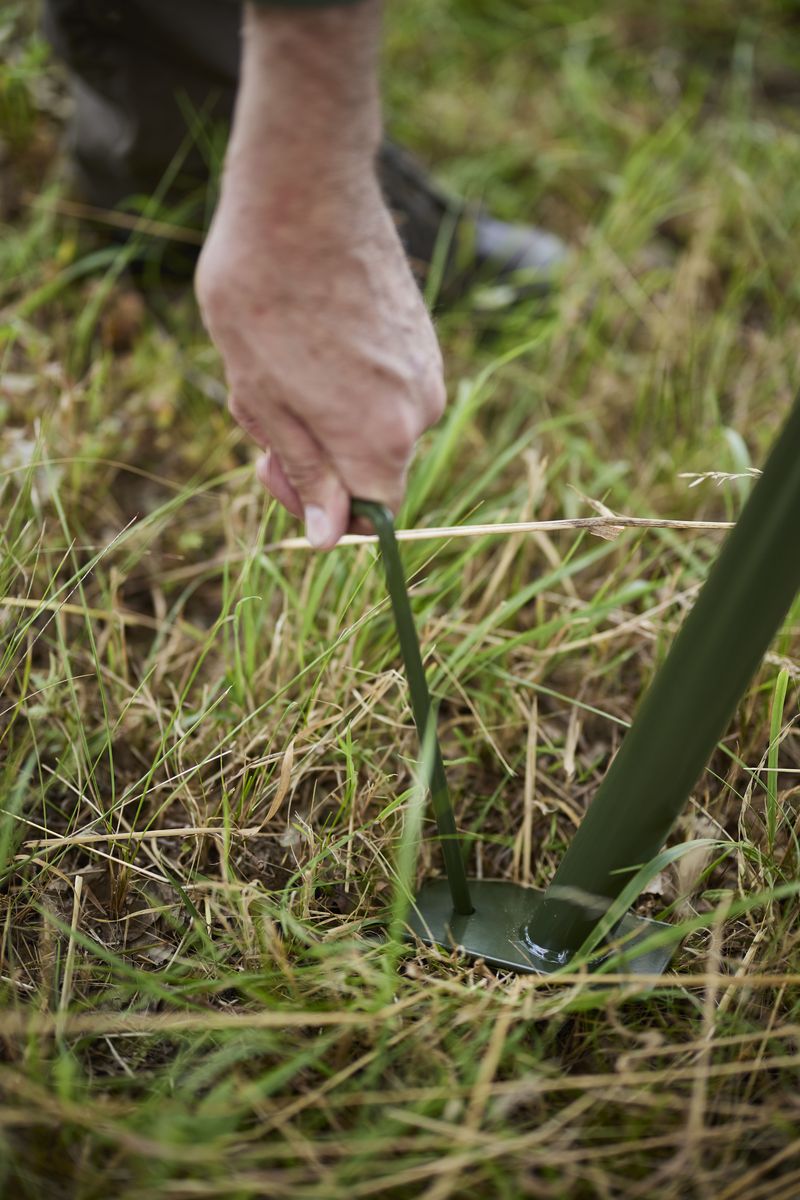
(154, 83)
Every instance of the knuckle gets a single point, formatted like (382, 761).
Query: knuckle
(303, 472)
(398, 437)
(238, 409)
(244, 416)
(210, 288)
(435, 400)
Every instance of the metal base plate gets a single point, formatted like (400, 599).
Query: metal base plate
(493, 931)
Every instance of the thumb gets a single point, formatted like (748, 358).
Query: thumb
(309, 471)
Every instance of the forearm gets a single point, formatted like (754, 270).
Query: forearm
(308, 110)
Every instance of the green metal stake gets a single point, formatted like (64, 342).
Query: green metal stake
(741, 607)
(421, 705)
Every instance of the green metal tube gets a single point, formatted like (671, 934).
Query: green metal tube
(421, 706)
(746, 597)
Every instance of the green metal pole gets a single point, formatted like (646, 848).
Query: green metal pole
(686, 711)
(421, 705)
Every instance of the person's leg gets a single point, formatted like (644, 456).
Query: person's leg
(148, 75)
(140, 71)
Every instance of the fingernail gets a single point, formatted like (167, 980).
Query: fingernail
(318, 526)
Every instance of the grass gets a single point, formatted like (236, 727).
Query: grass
(207, 784)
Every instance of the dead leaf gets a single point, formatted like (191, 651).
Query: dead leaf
(284, 779)
(571, 743)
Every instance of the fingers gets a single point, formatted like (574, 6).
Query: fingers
(296, 471)
(270, 472)
(374, 467)
(300, 475)
(373, 459)
(358, 445)
(311, 478)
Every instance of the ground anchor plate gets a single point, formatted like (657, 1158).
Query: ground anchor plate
(494, 931)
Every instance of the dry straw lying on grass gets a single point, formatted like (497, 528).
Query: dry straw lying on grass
(603, 526)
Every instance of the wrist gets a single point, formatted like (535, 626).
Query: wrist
(308, 103)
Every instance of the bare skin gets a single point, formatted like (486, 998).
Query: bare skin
(331, 358)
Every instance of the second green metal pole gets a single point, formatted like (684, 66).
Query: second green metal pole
(741, 607)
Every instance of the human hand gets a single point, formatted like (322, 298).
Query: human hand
(332, 361)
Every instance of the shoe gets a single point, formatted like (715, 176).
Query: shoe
(465, 246)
